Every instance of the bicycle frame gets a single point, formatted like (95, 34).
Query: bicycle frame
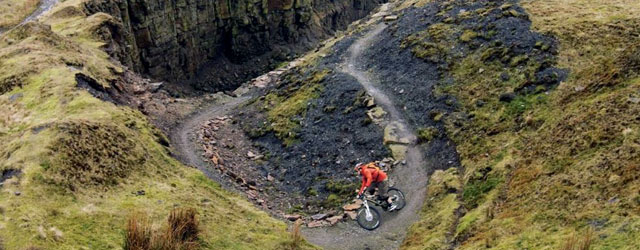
(368, 214)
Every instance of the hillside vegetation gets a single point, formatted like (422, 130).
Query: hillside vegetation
(545, 167)
(74, 168)
(12, 12)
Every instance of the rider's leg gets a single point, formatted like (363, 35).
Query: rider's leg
(383, 188)
(371, 189)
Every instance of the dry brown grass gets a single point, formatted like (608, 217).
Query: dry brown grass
(579, 243)
(12, 12)
(138, 234)
(180, 233)
(296, 236)
(94, 153)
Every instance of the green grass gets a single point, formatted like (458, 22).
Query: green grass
(12, 12)
(475, 190)
(438, 215)
(560, 163)
(286, 109)
(87, 159)
(427, 134)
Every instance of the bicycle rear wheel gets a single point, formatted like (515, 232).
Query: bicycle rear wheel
(399, 200)
(374, 220)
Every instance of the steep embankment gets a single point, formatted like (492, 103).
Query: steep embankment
(221, 44)
(546, 165)
(73, 168)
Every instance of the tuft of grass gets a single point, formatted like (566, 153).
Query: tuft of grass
(340, 192)
(468, 35)
(183, 228)
(181, 232)
(296, 236)
(583, 242)
(427, 134)
(138, 233)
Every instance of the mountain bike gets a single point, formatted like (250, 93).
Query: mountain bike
(368, 216)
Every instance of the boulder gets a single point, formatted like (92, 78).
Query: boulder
(370, 103)
(319, 216)
(314, 224)
(390, 18)
(352, 207)
(335, 219)
(154, 87)
(351, 214)
(292, 217)
(398, 151)
(376, 114)
(394, 133)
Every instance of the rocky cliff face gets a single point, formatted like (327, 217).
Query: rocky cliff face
(220, 43)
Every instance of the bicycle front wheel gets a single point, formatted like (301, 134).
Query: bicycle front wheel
(368, 222)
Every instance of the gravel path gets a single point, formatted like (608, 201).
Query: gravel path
(183, 137)
(410, 178)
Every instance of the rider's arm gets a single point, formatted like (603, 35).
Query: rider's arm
(366, 181)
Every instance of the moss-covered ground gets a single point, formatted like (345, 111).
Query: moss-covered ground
(544, 167)
(85, 164)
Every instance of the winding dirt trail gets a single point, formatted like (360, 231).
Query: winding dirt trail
(183, 137)
(411, 178)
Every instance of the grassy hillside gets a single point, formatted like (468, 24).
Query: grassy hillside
(12, 12)
(87, 165)
(552, 168)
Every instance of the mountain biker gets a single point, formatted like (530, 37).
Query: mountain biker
(373, 177)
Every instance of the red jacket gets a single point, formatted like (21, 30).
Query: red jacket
(370, 173)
